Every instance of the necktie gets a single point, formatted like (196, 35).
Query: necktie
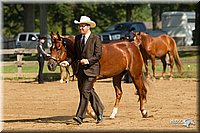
(83, 42)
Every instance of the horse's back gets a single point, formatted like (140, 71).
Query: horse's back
(116, 57)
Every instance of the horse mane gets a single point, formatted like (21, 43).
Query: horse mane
(148, 37)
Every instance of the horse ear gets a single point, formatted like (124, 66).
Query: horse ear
(59, 38)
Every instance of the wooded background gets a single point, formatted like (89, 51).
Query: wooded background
(44, 18)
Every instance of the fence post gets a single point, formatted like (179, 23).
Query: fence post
(19, 62)
(19, 65)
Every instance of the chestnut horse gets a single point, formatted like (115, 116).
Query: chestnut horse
(117, 58)
(57, 37)
(158, 47)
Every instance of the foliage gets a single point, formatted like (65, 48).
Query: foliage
(61, 15)
(12, 19)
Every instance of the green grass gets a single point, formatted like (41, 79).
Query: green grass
(189, 69)
(28, 69)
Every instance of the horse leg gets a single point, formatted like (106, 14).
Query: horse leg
(118, 92)
(141, 91)
(171, 59)
(61, 74)
(91, 112)
(153, 61)
(164, 66)
(146, 68)
(67, 75)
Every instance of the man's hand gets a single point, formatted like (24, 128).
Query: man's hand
(64, 63)
(48, 55)
(84, 61)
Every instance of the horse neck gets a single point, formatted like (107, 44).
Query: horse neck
(146, 40)
(70, 47)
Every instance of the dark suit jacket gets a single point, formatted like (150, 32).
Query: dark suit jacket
(91, 51)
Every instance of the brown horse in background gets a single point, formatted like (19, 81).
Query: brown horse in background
(65, 40)
(117, 58)
(158, 47)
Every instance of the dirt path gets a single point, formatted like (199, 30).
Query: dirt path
(29, 106)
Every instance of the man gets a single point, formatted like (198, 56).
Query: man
(41, 57)
(88, 50)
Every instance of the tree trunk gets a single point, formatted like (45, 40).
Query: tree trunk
(76, 11)
(197, 25)
(129, 12)
(29, 17)
(155, 16)
(43, 20)
(64, 28)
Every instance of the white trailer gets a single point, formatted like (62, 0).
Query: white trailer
(179, 25)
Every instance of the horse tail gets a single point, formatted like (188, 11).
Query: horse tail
(176, 57)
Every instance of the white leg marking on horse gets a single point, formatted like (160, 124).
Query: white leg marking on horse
(61, 80)
(114, 112)
(144, 113)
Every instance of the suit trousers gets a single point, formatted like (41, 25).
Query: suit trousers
(41, 66)
(88, 94)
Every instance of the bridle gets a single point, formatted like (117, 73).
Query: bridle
(56, 39)
(60, 53)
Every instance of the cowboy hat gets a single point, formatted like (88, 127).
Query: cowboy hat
(86, 20)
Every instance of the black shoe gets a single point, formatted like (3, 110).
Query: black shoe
(99, 118)
(41, 82)
(78, 120)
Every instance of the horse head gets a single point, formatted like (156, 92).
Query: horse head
(55, 37)
(58, 54)
(137, 38)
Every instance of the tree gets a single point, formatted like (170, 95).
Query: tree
(29, 17)
(155, 16)
(43, 19)
(129, 12)
(12, 20)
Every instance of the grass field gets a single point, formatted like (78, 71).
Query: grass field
(189, 61)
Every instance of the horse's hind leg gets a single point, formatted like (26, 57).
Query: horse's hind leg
(153, 61)
(142, 91)
(164, 66)
(171, 59)
(146, 68)
(118, 92)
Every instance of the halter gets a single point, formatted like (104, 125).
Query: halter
(58, 49)
(57, 39)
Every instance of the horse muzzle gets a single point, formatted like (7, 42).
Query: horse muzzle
(52, 65)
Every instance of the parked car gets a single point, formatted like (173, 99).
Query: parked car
(29, 40)
(121, 30)
(155, 33)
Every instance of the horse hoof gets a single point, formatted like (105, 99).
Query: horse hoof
(66, 81)
(112, 117)
(170, 78)
(144, 114)
(161, 78)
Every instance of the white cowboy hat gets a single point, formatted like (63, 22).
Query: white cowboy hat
(86, 20)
